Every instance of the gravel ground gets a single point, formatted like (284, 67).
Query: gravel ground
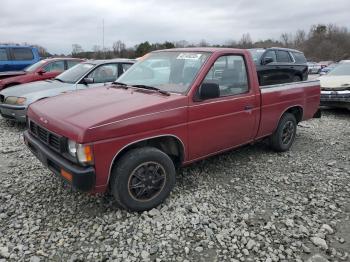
(246, 205)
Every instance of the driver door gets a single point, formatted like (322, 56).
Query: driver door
(221, 123)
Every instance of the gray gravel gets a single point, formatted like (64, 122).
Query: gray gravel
(246, 205)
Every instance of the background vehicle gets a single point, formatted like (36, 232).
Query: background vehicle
(129, 137)
(325, 63)
(15, 57)
(335, 87)
(15, 100)
(327, 69)
(44, 69)
(279, 65)
(313, 68)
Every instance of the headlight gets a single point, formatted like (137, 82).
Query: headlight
(14, 100)
(81, 152)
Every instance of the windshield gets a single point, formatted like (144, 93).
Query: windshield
(340, 70)
(35, 66)
(256, 54)
(73, 74)
(171, 71)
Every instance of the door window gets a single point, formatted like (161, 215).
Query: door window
(3, 54)
(283, 56)
(125, 67)
(299, 58)
(57, 66)
(22, 54)
(105, 73)
(71, 63)
(230, 73)
(271, 54)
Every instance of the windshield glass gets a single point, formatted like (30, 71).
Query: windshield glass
(340, 70)
(171, 71)
(35, 66)
(256, 54)
(75, 73)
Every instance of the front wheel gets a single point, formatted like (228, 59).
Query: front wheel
(142, 179)
(283, 138)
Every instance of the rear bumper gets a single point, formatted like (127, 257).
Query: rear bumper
(335, 99)
(83, 178)
(13, 112)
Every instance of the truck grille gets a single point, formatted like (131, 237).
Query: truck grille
(52, 140)
(2, 98)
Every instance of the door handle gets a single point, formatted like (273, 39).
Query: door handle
(248, 107)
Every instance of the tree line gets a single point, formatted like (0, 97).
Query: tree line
(321, 42)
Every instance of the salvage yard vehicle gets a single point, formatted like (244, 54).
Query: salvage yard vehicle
(313, 68)
(131, 136)
(335, 87)
(42, 70)
(16, 57)
(327, 69)
(279, 65)
(15, 100)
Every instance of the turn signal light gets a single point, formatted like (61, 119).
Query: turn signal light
(66, 175)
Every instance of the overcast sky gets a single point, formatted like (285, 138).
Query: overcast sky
(57, 25)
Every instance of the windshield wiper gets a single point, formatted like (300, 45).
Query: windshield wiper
(120, 84)
(59, 80)
(152, 88)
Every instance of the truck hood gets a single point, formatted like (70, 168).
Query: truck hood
(37, 90)
(335, 82)
(106, 112)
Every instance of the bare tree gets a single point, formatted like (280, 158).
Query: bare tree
(118, 48)
(76, 48)
(246, 41)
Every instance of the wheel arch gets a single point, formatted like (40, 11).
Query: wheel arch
(296, 110)
(169, 144)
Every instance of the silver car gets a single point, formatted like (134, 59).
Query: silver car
(15, 100)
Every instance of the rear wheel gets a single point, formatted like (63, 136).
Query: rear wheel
(296, 79)
(283, 138)
(142, 179)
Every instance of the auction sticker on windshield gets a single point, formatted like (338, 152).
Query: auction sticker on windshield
(189, 56)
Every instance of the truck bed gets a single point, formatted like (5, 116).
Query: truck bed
(276, 99)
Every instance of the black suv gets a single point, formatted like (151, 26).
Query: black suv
(277, 65)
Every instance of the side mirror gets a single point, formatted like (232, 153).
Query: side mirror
(88, 80)
(41, 72)
(209, 90)
(267, 60)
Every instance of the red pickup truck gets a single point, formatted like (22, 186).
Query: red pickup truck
(170, 109)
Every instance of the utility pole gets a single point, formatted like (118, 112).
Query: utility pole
(103, 38)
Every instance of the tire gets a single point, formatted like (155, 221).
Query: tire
(283, 138)
(136, 168)
(296, 79)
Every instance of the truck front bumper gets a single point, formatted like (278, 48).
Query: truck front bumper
(81, 178)
(335, 99)
(13, 112)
